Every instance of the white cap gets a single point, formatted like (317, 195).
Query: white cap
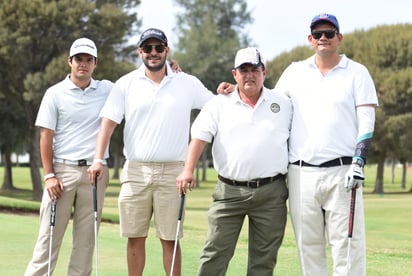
(83, 46)
(248, 55)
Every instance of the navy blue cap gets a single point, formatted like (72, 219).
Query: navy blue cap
(324, 17)
(152, 33)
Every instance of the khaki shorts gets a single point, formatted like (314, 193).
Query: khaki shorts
(149, 189)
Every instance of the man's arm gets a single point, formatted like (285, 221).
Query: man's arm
(194, 151)
(53, 185)
(107, 127)
(366, 123)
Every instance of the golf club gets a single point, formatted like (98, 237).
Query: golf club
(179, 219)
(52, 223)
(95, 223)
(350, 228)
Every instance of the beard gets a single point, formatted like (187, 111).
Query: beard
(155, 68)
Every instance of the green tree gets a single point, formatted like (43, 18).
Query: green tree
(278, 64)
(210, 33)
(387, 52)
(34, 42)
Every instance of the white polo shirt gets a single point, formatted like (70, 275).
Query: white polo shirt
(73, 115)
(324, 120)
(248, 142)
(157, 116)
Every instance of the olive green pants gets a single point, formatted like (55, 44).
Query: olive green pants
(266, 210)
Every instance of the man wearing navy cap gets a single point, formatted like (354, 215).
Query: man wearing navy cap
(334, 101)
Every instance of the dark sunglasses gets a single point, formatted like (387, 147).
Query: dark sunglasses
(328, 34)
(147, 48)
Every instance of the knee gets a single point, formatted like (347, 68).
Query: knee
(169, 244)
(136, 242)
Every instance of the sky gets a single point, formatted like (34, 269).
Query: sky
(280, 26)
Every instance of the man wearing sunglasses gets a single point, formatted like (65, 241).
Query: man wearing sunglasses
(334, 101)
(156, 104)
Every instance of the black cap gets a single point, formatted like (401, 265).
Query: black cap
(152, 33)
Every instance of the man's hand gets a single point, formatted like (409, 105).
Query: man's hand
(96, 169)
(225, 88)
(183, 180)
(354, 177)
(175, 66)
(54, 188)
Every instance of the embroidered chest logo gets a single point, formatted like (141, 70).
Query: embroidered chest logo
(275, 108)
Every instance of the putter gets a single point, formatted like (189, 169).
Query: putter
(179, 219)
(350, 228)
(95, 223)
(52, 223)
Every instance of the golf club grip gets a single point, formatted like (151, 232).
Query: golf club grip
(182, 205)
(352, 212)
(53, 213)
(95, 193)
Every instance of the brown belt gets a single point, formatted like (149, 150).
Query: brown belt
(253, 183)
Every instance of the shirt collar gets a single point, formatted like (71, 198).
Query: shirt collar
(235, 97)
(70, 85)
(343, 63)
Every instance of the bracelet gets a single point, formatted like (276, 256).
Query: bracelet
(48, 176)
(101, 161)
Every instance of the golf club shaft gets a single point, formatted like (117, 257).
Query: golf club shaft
(179, 219)
(95, 223)
(350, 228)
(52, 223)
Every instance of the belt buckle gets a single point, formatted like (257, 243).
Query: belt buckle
(251, 182)
(82, 162)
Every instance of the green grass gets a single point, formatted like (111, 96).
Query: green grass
(388, 226)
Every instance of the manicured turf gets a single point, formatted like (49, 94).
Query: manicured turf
(388, 222)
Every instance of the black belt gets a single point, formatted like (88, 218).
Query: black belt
(346, 160)
(254, 183)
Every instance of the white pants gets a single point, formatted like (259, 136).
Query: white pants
(319, 207)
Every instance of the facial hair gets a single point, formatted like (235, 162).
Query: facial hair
(154, 68)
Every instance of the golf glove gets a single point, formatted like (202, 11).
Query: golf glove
(354, 177)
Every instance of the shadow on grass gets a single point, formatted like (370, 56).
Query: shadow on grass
(24, 194)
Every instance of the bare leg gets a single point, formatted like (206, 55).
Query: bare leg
(136, 256)
(168, 247)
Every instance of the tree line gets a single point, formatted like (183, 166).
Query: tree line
(36, 35)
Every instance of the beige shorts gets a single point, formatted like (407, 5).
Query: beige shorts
(149, 189)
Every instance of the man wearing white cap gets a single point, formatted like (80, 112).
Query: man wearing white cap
(250, 129)
(69, 122)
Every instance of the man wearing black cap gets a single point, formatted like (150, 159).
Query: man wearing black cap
(334, 99)
(249, 129)
(156, 104)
